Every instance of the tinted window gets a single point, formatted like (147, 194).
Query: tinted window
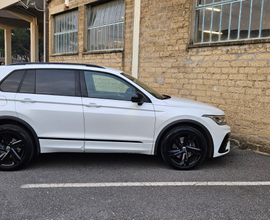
(28, 85)
(105, 86)
(12, 82)
(55, 82)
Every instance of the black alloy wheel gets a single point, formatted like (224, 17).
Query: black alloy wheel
(16, 147)
(183, 147)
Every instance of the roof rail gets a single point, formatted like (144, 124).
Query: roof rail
(77, 64)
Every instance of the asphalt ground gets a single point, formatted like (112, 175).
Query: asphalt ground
(100, 199)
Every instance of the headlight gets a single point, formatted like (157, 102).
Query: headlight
(219, 119)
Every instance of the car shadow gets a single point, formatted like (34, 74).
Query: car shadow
(113, 160)
(95, 160)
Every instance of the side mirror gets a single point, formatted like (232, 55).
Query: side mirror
(137, 97)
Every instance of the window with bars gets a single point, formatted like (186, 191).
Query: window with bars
(231, 20)
(105, 26)
(65, 36)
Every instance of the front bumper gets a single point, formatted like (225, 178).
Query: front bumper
(224, 145)
(221, 140)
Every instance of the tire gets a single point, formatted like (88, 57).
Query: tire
(183, 147)
(16, 147)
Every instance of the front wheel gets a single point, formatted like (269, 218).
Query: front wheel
(183, 147)
(16, 147)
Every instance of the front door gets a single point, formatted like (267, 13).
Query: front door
(112, 122)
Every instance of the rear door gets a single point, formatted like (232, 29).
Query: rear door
(9, 88)
(49, 100)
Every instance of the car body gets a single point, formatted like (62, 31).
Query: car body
(83, 108)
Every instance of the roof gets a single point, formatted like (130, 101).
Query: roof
(50, 63)
(41, 65)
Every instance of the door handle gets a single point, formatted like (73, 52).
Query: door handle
(93, 105)
(28, 100)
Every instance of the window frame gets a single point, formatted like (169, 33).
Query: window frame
(105, 27)
(61, 34)
(238, 40)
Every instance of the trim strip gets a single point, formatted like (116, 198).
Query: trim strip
(98, 140)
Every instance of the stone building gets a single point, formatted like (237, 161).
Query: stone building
(213, 51)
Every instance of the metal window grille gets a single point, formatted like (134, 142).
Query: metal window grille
(231, 20)
(66, 32)
(105, 26)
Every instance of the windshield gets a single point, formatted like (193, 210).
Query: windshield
(145, 87)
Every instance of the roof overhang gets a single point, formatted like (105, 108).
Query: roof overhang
(14, 15)
(11, 21)
(5, 3)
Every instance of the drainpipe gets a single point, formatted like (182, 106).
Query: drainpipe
(136, 38)
(44, 32)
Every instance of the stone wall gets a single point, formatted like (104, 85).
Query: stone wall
(234, 78)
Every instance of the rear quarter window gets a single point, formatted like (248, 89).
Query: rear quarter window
(11, 82)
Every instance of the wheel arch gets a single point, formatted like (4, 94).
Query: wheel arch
(24, 125)
(191, 123)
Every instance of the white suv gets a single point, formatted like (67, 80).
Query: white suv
(82, 108)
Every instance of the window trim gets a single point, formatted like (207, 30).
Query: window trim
(229, 43)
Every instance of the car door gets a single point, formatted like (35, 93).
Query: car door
(49, 100)
(8, 89)
(112, 122)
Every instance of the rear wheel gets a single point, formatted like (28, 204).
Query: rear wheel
(16, 147)
(183, 147)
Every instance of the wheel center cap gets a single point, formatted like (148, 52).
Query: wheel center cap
(184, 149)
(8, 148)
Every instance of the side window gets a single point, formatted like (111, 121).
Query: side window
(105, 86)
(28, 85)
(12, 82)
(55, 82)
